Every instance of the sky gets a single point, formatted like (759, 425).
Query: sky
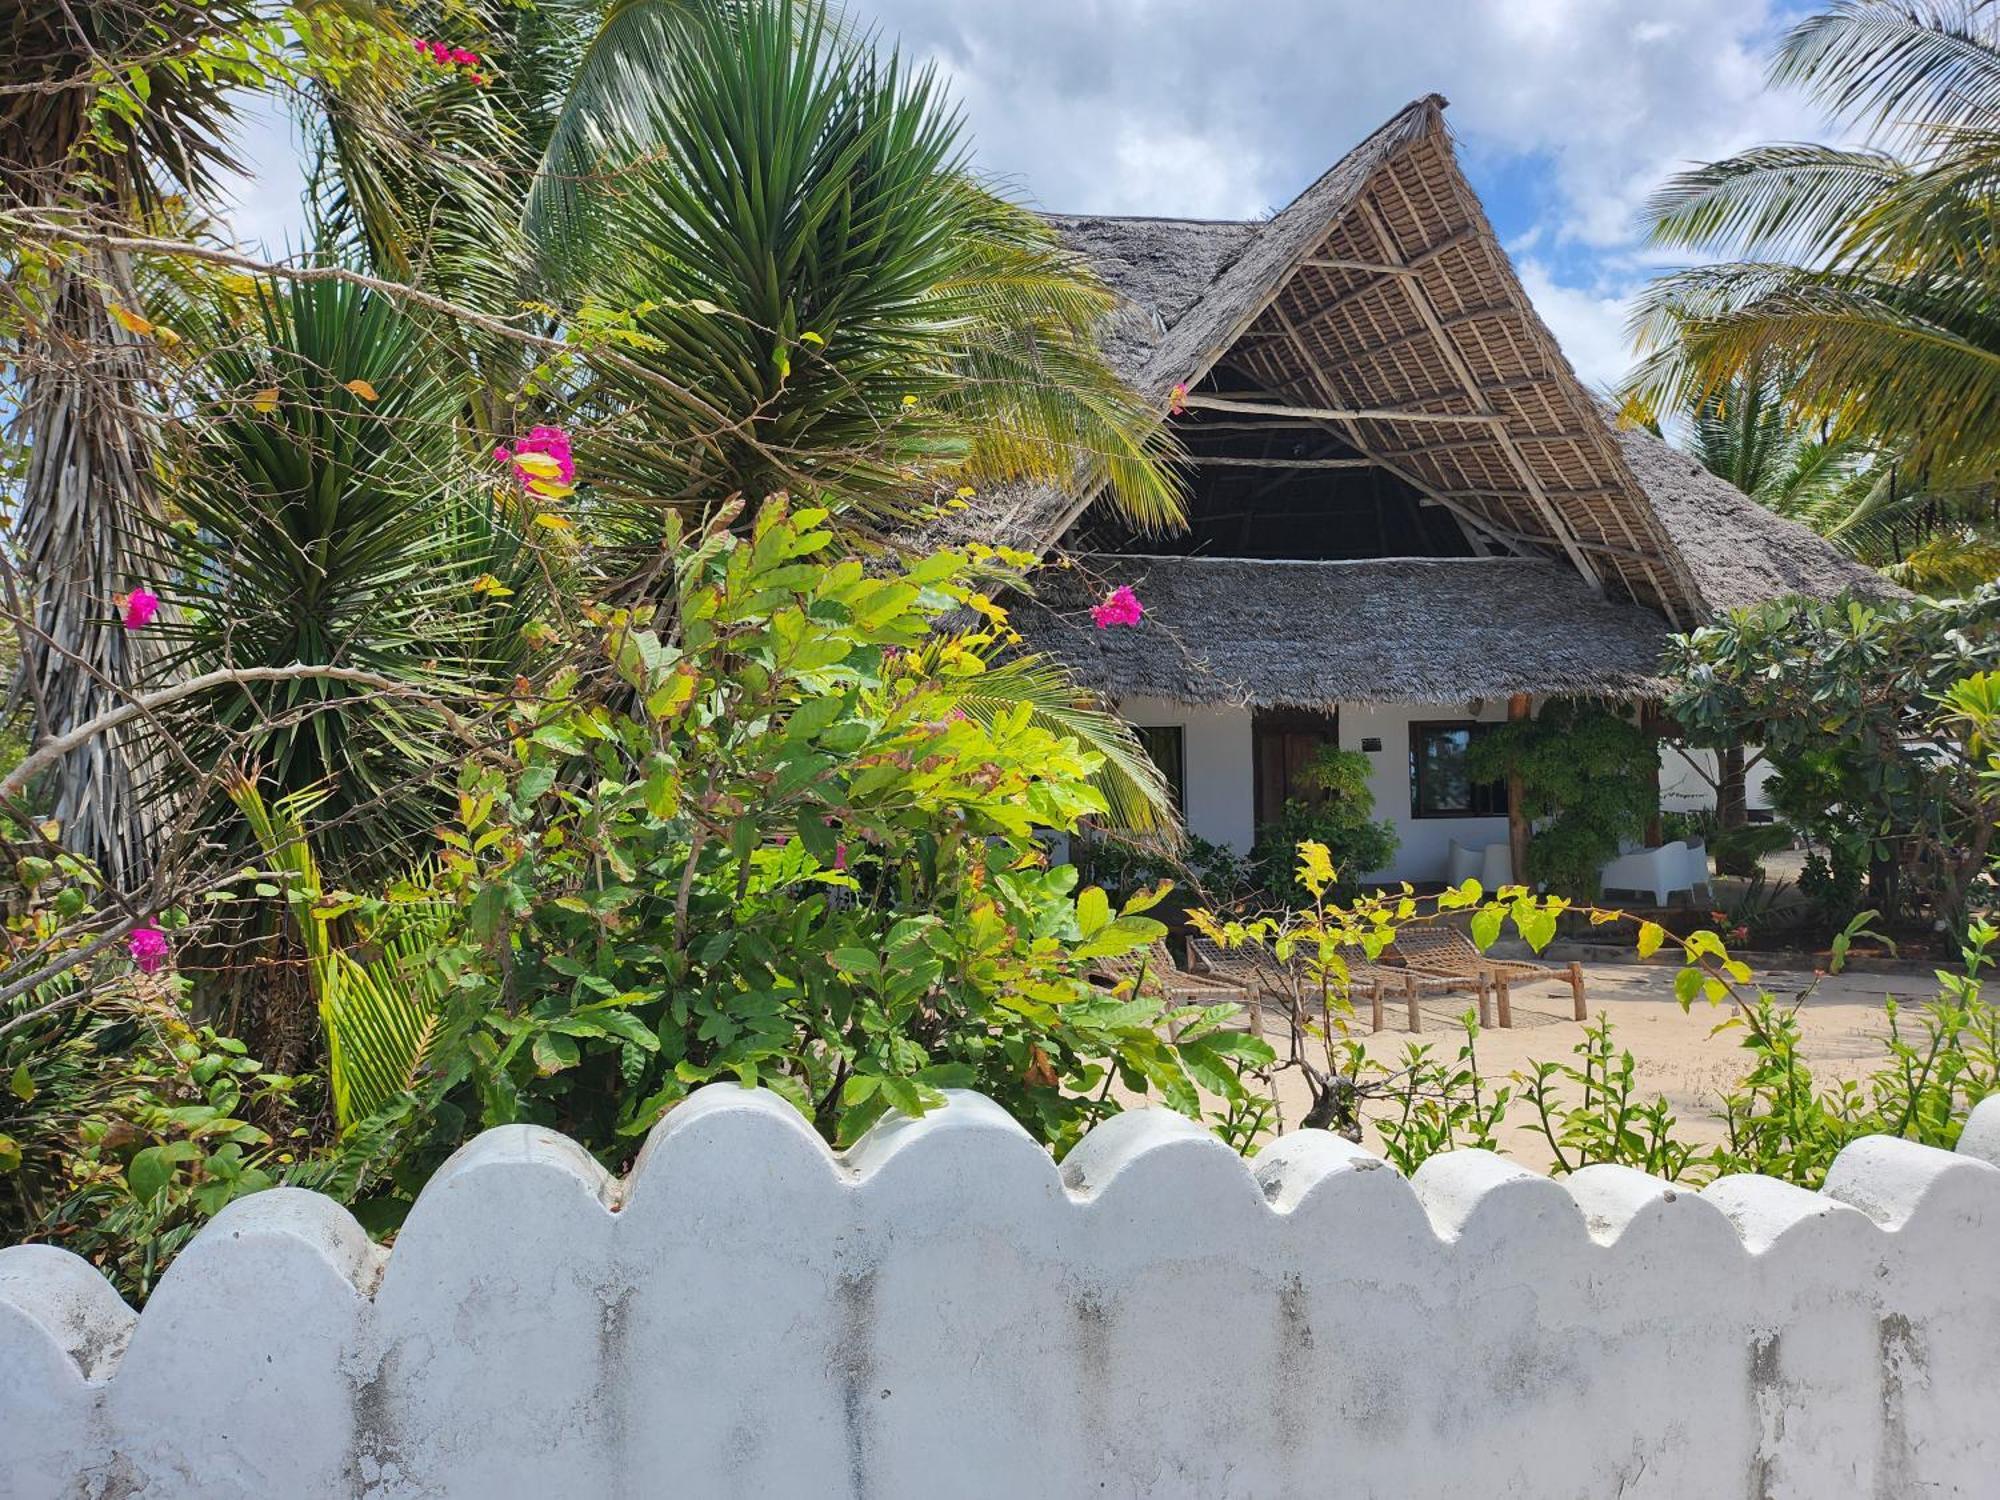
(1567, 113)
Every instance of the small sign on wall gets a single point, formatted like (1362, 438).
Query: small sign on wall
(1372, 743)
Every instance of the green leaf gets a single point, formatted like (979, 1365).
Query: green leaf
(149, 1173)
(1093, 910)
(553, 1052)
(1687, 984)
(1486, 926)
(856, 961)
(662, 789)
(21, 1085)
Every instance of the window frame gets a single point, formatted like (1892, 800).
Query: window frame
(1176, 775)
(1493, 791)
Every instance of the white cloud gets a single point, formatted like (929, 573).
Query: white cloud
(1579, 107)
(1189, 107)
(1589, 324)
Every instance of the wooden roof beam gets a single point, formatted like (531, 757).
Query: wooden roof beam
(1341, 414)
(1470, 521)
(1409, 267)
(1455, 358)
(1201, 461)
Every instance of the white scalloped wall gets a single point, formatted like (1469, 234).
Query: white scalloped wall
(942, 1312)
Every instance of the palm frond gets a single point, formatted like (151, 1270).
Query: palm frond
(1132, 786)
(1901, 66)
(607, 106)
(1786, 200)
(379, 1016)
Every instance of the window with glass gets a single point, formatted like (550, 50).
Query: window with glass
(1166, 745)
(1440, 786)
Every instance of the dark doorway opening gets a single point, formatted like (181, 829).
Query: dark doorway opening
(1284, 742)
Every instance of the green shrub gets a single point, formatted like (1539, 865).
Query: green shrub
(1340, 819)
(1586, 781)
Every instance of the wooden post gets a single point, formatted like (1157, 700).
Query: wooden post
(1416, 1010)
(1653, 722)
(1375, 1004)
(1506, 1002)
(1576, 989)
(1485, 999)
(1519, 707)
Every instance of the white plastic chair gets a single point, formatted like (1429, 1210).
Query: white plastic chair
(1657, 872)
(1697, 867)
(1463, 864)
(1496, 867)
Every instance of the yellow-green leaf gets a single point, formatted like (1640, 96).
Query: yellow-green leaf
(1651, 935)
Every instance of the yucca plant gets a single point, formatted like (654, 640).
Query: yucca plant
(329, 516)
(788, 213)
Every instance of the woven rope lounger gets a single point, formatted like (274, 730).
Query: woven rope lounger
(1261, 974)
(1447, 951)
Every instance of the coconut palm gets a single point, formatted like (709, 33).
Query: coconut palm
(1868, 273)
(134, 105)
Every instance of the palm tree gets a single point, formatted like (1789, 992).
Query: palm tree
(123, 117)
(1868, 279)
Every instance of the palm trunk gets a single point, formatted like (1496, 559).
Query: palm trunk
(85, 499)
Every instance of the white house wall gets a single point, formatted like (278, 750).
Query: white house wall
(1221, 782)
(1423, 843)
(1685, 789)
(1221, 794)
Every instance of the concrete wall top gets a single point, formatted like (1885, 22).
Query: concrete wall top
(943, 1311)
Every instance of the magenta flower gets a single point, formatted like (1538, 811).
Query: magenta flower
(140, 607)
(149, 947)
(551, 442)
(1120, 607)
(840, 856)
(1177, 399)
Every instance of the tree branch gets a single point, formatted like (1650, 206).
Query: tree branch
(50, 751)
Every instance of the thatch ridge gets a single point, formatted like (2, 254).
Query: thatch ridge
(1314, 634)
(1248, 283)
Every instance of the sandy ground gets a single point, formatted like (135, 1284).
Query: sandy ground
(1676, 1054)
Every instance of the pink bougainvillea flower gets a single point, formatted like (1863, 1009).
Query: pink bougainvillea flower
(149, 947)
(1177, 399)
(551, 442)
(840, 856)
(1120, 607)
(140, 606)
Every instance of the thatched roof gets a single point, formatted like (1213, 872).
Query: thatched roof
(1159, 267)
(1314, 634)
(1383, 289)
(1740, 553)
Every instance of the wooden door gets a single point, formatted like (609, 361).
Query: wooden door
(1283, 742)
